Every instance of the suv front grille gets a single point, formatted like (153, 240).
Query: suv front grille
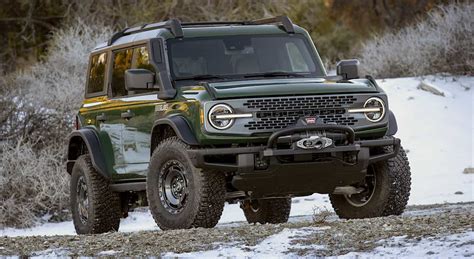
(300, 103)
(279, 113)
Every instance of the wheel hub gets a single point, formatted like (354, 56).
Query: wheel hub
(173, 186)
(362, 198)
(82, 200)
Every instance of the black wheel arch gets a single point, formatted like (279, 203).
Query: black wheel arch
(179, 126)
(84, 141)
(392, 124)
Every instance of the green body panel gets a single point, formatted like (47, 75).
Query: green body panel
(124, 142)
(282, 87)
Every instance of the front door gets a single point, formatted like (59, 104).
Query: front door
(136, 112)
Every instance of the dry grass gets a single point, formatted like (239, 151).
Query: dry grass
(320, 215)
(35, 120)
(31, 184)
(441, 43)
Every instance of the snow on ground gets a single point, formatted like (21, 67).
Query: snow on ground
(450, 246)
(436, 131)
(275, 246)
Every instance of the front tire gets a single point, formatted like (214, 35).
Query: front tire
(386, 190)
(182, 196)
(264, 211)
(95, 209)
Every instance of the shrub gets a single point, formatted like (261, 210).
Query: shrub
(320, 215)
(441, 43)
(32, 184)
(37, 112)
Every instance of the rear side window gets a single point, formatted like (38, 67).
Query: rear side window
(136, 57)
(97, 73)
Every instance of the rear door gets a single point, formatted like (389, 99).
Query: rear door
(96, 107)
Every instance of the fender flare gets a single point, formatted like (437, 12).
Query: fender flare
(392, 124)
(180, 126)
(90, 138)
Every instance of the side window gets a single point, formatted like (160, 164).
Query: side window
(142, 59)
(298, 64)
(122, 62)
(137, 57)
(97, 73)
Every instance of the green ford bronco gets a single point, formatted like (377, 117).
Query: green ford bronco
(184, 117)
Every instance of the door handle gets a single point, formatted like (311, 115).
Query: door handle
(101, 117)
(127, 115)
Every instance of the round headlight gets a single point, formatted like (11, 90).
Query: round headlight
(379, 109)
(219, 123)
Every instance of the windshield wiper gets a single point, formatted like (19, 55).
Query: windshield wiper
(275, 74)
(200, 77)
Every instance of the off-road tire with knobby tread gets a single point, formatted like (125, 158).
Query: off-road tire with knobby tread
(207, 190)
(104, 205)
(272, 211)
(393, 181)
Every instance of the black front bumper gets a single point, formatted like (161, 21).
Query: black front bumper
(296, 178)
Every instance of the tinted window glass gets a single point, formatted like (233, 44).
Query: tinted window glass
(137, 57)
(237, 56)
(142, 59)
(97, 73)
(122, 62)
(298, 64)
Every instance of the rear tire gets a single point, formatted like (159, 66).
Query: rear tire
(387, 190)
(95, 209)
(182, 196)
(264, 211)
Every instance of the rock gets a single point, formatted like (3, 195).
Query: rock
(458, 193)
(468, 170)
(430, 88)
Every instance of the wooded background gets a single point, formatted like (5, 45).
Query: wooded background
(337, 26)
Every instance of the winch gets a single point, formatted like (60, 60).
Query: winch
(314, 142)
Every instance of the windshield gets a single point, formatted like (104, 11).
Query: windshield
(242, 56)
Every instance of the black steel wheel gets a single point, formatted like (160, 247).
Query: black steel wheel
(386, 190)
(82, 200)
(368, 185)
(173, 186)
(182, 196)
(95, 209)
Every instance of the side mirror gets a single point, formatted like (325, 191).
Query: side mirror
(348, 69)
(139, 79)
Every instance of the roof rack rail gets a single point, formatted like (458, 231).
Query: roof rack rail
(284, 20)
(176, 27)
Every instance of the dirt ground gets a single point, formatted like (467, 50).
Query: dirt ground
(336, 236)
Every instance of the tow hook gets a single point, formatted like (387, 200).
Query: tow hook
(314, 142)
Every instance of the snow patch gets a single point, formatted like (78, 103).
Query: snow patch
(450, 246)
(108, 253)
(275, 246)
(438, 134)
(51, 252)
